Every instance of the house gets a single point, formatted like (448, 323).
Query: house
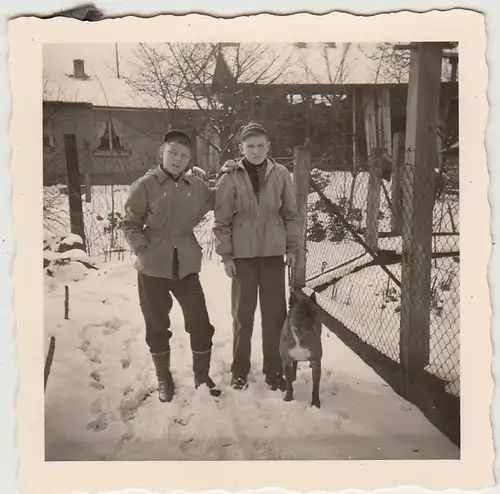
(118, 132)
(319, 94)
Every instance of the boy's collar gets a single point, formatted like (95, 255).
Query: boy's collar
(163, 175)
(268, 160)
(269, 164)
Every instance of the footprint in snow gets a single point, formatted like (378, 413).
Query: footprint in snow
(96, 407)
(84, 346)
(99, 424)
(94, 358)
(112, 325)
(190, 448)
(96, 377)
(128, 390)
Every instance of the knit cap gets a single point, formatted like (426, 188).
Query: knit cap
(253, 128)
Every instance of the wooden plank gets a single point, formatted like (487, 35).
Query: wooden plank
(302, 171)
(418, 202)
(385, 119)
(397, 177)
(74, 186)
(369, 112)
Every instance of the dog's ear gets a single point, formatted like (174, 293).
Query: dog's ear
(313, 304)
(292, 299)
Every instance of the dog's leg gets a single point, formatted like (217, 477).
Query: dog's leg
(316, 376)
(294, 374)
(288, 371)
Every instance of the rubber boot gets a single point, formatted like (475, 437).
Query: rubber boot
(201, 368)
(166, 388)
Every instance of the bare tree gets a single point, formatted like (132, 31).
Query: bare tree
(209, 77)
(336, 70)
(390, 65)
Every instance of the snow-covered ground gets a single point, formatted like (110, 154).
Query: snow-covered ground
(101, 403)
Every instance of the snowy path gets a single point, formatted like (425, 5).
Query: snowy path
(101, 403)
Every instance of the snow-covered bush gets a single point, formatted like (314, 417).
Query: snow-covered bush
(321, 223)
(65, 253)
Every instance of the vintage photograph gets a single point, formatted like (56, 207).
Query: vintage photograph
(251, 251)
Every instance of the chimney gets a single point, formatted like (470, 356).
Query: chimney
(79, 69)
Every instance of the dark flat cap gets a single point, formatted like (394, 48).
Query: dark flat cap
(176, 134)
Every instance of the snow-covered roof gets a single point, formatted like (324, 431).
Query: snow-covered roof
(103, 87)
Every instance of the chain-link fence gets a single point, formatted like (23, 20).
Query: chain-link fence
(360, 284)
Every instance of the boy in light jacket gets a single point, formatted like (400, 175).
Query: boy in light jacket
(161, 211)
(256, 226)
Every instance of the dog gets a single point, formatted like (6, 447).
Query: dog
(300, 341)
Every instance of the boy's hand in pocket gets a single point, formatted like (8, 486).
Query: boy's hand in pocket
(291, 260)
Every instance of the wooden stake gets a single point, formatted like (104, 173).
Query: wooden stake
(66, 302)
(48, 361)
(418, 202)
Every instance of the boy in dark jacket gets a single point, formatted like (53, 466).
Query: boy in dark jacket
(256, 225)
(161, 211)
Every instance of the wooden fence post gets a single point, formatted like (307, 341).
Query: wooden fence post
(301, 170)
(398, 155)
(378, 141)
(87, 165)
(74, 186)
(418, 202)
(375, 177)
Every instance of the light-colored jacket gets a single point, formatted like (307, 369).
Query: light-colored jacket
(160, 215)
(245, 228)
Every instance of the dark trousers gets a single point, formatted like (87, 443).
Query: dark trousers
(155, 297)
(265, 276)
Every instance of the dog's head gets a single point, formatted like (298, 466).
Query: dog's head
(303, 314)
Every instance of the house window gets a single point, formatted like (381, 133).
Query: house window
(295, 99)
(110, 137)
(324, 99)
